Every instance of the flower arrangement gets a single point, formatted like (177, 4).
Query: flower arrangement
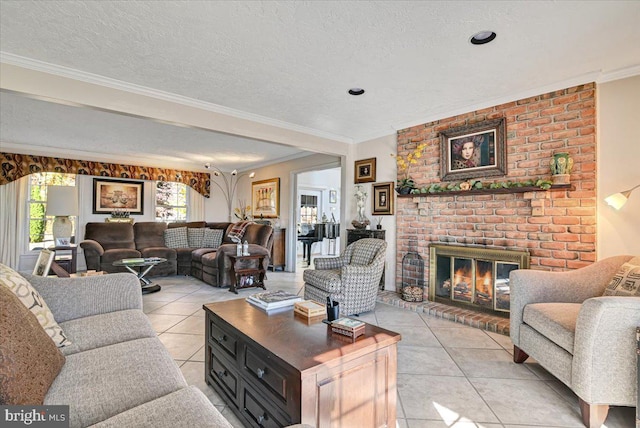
(471, 185)
(243, 210)
(404, 166)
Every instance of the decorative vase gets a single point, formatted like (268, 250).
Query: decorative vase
(561, 165)
(403, 190)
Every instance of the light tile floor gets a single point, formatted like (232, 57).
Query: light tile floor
(449, 375)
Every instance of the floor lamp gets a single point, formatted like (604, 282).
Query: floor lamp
(230, 184)
(617, 200)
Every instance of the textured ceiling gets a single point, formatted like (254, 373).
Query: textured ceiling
(294, 61)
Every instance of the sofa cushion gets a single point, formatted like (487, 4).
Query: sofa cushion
(114, 379)
(30, 297)
(237, 231)
(196, 255)
(195, 236)
(176, 237)
(364, 252)
(106, 329)
(555, 321)
(212, 238)
(164, 252)
(149, 234)
(30, 361)
(626, 281)
(327, 280)
(116, 254)
(187, 407)
(111, 235)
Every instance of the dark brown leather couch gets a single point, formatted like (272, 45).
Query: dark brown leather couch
(106, 243)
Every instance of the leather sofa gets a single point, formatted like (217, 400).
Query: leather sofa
(106, 243)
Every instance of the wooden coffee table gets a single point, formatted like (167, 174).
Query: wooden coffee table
(277, 370)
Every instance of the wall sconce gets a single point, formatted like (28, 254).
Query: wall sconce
(617, 200)
(62, 202)
(230, 184)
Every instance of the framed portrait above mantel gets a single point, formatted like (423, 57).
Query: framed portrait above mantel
(474, 151)
(265, 198)
(118, 195)
(365, 171)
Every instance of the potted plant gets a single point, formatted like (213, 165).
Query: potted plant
(406, 184)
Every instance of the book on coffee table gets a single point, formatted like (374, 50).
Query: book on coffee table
(270, 300)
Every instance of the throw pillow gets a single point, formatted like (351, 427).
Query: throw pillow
(195, 236)
(212, 238)
(30, 360)
(626, 282)
(176, 237)
(237, 231)
(30, 298)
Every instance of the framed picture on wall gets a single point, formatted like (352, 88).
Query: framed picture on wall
(333, 196)
(121, 195)
(382, 198)
(365, 171)
(473, 151)
(265, 198)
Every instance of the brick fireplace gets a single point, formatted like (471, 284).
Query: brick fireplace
(557, 227)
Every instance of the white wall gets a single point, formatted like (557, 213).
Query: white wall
(618, 166)
(386, 170)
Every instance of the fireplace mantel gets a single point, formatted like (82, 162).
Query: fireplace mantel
(488, 191)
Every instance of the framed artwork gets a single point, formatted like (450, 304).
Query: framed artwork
(45, 258)
(473, 151)
(382, 198)
(63, 242)
(121, 195)
(265, 198)
(333, 196)
(365, 171)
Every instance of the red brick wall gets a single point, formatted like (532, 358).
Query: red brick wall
(562, 233)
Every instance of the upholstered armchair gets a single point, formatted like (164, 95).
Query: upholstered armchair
(351, 279)
(583, 338)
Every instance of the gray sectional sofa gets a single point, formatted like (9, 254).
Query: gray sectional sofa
(117, 373)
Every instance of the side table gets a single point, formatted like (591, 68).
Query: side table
(65, 262)
(247, 271)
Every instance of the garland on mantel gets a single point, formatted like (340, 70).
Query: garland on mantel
(15, 166)
(472, 185)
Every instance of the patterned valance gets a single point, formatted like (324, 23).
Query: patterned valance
(15, 166)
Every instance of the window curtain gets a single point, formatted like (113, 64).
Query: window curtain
(195, 202)
(14, 221)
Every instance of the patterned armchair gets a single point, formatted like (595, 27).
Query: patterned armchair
(351, 279)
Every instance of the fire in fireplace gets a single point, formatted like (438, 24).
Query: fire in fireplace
(471, 276)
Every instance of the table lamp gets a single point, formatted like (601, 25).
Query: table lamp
(62, 202)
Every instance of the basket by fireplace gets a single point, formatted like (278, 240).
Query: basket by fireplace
(412, 277)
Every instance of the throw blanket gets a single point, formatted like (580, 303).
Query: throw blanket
(237, 231)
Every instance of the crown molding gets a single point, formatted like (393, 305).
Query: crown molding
(622, 73)
(70, 73)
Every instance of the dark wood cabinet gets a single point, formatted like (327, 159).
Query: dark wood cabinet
(278, 370)
(354, 235)
(278, 251)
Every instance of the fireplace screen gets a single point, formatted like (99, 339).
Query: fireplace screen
(473, 276)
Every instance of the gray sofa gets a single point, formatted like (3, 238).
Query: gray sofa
(117, 373)
(583, 338)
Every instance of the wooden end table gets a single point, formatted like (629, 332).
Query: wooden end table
(244, 272)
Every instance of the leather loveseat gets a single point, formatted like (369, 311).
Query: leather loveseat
(106, 243)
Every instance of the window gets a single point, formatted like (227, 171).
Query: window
(308, 209)
(40, 234)
(171, 201)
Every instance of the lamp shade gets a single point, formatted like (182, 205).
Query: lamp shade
(62, 201)
(617, 200)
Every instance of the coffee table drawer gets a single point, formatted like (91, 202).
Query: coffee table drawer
(268, 373)
(259, 412)
(226, 341)
(224, 376)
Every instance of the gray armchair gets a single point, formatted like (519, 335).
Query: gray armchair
(351, 279)
(583, 338)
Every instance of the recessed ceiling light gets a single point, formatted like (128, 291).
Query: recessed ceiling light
(356, 91)
(482, 37)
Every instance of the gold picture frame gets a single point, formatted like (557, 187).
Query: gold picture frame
(383, 195)
(265, 198)
(365, 171)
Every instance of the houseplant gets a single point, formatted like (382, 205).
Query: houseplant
(406, 184)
